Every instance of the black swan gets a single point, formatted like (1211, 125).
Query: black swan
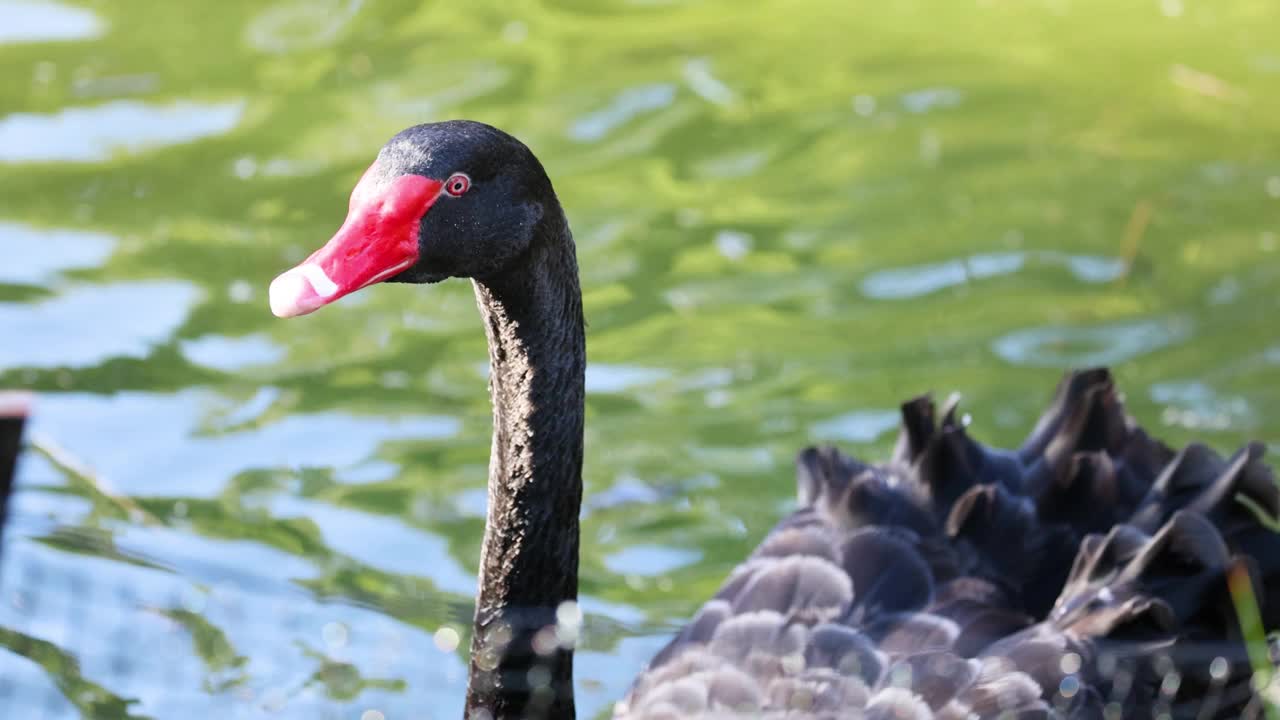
(1089, 573)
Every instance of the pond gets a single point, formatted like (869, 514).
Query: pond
(790, 217)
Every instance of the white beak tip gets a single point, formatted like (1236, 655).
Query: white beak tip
(291, 295)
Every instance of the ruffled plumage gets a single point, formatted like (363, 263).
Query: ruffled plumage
(1081, 575)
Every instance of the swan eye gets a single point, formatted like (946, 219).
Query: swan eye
(457, 184)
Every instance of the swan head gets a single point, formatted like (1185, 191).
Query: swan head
(449, 199)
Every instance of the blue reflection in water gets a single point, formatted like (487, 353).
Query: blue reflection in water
(94, 134)
(610, 379)
(1195, 405)
(45, 252)
(367, 472)
(228, 354)
(24, 21)
(204, 560)
(604, 678)
(248, 411)
(31, 512)
(117, 320)
(627, 105)
(1062, 346)
(150, 657)
(924, 100)
(920, 280)
(381, 542)
(649, 560)
(182, 458)
(860, 426)
(285, 27)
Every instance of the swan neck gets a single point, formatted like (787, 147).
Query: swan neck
(529, 559)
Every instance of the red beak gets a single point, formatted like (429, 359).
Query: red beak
(378, 240)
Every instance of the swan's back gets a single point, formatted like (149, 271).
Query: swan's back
(1083, 575)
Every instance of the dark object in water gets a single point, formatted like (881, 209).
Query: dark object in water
(1084, 572)
(13, 414)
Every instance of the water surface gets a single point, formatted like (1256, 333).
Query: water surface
(790, 217)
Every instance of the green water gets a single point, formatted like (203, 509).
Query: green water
(790, 217)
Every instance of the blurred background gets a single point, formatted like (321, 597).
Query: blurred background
(790, 216)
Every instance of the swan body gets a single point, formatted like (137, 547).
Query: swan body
(1068, 578)
(1089, 573)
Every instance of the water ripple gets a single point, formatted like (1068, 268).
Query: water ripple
(860, 426)
(24, 21)
(289, 26)
(626, 105)
(265, 611)
(154, 310)
(1067, 346)
(649, 560)
(45, 252)
(96, 133)
(381, 542)
(229, 354)
(919, 280)
(611, 379)
(926, 99)
(1195, 405)
(697, 73)
(165, 447)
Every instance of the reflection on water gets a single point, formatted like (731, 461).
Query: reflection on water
(46, 252)
(182, 459)
(919, 280)
(1058, 346)
(605, 378)
(230, 354)
(292, 25)
(380, 543)
(649, 560)
(1194, 405)
(697, 73)
(202, 560)
(922, 101)
(859, 426)
(95, 134)
(118, 320)
(628, 104)
(789, 217)
(179, 621)
(34, 21)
